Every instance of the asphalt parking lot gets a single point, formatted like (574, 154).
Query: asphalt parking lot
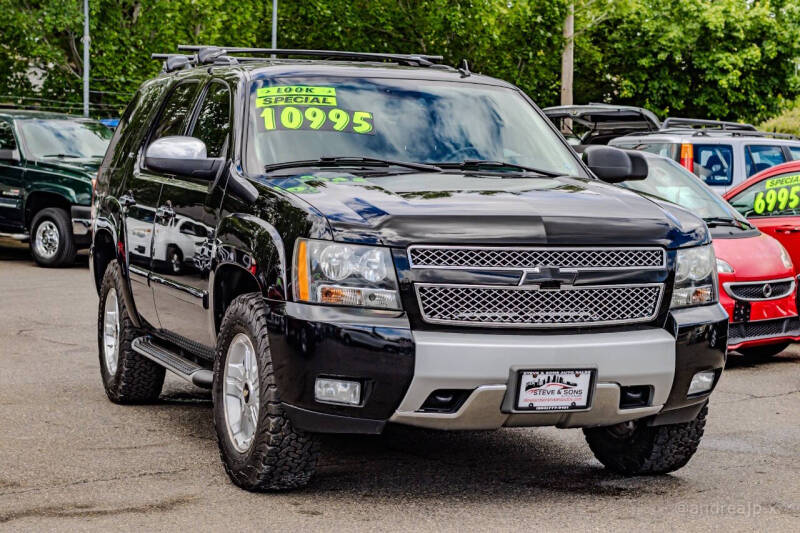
(72, 460)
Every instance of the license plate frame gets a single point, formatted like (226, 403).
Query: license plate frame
(584, 383)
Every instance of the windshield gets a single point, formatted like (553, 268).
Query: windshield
(296, 119)
(669, 181)
(64, 138)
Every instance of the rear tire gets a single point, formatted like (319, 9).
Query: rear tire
(127, 376)
(52, 244)
(635, 449)
(764, 352)
(260, 448)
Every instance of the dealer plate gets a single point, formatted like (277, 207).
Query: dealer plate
(555, 390)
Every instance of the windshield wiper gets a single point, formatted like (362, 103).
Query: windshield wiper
(725, 221)
(64, 156)
(346, 161)
(476, 164)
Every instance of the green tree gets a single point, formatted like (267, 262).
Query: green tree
(722, 59)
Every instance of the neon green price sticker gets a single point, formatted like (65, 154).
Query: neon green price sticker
(295, 95)
(316, 118)
(783, 181)
(776, 199)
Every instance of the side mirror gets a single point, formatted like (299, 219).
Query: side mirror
(9, 156)
(613, 165)
(184, 156)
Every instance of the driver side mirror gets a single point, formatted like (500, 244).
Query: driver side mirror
(9, 156)
(183, 156)
(613, 165)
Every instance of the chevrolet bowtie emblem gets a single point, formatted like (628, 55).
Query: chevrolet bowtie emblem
(549, 277)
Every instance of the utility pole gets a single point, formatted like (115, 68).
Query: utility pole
(86, 41)
(567, 57)
(274, 25)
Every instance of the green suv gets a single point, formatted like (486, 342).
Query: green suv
(48, 162)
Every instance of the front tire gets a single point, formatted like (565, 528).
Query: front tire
(634, 448)
(260, 448)
(127, 376)
(52, 244)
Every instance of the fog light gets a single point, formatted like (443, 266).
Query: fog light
(337, 391)
(701, 382)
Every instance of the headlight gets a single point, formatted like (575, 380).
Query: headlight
(723, 267)
(334, 273)
(695, 277)
(785, 259)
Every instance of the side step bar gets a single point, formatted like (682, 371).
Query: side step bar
(188, 370)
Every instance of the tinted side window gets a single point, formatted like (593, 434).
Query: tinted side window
(213, 121)
(776, 196)
(7, 140)
(795, 151)
(176, 111)
(714, 163)
(761, 157)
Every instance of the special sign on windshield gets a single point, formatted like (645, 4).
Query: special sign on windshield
(307, 107)
(781, 193)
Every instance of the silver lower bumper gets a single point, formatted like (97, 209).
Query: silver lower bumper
(81, 226)
(488, 364)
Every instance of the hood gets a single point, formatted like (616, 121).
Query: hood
(86, 169)
(399, 210)
(752, 258)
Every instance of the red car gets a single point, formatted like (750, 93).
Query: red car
(756, 276)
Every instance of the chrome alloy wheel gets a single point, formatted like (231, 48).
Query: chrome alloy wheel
(111, 332)
(46, 239)
(241, 392)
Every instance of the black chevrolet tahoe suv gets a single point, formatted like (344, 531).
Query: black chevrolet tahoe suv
(371, 239)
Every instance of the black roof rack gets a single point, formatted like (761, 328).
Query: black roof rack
(677, 122)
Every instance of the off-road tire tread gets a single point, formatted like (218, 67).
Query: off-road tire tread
(281, 457)
(651, 449)
(138, 379)
(66, 256)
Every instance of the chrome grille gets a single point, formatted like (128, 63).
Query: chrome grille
(760, 290)
(528, 258)
(532, 307)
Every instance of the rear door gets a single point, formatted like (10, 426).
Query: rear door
(12, 186)
(185, 223)
(773, 205)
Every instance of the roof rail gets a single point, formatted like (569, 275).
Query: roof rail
(420, 60)
(673, 122)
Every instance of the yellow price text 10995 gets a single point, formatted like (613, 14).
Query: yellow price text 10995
(314, 118)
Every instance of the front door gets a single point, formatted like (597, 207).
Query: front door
(185, 226)
(12, 186)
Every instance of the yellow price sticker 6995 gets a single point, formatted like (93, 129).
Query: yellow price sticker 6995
(776, 199)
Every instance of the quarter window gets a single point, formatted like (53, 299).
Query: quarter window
(762, 157)
(176, 110)
(213, 121)
(795, 152)
(775, 196)
(714, 163)
(7, 140)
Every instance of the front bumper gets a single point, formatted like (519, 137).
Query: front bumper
(400, 369)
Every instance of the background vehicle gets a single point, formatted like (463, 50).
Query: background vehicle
(771, 201)
(756, 276)
(378, 256)
(723, 154)
(599, 123)
(47, 164)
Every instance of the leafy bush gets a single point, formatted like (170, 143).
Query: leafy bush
(786, 122)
